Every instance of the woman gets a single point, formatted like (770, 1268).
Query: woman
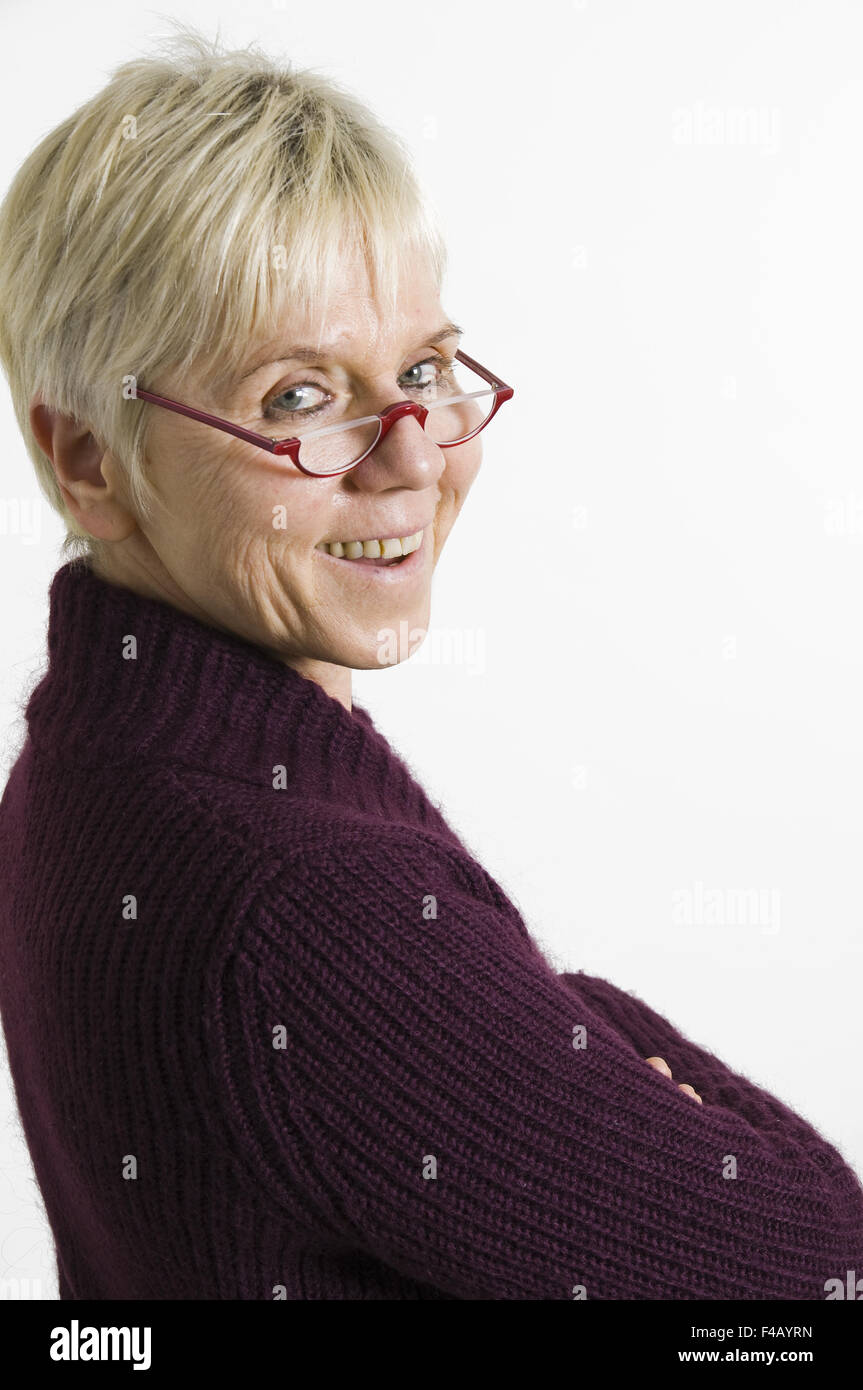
(274, 1032)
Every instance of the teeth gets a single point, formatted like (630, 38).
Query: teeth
(387, 550)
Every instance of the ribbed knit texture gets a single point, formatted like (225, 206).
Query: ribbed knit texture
(423, 1127)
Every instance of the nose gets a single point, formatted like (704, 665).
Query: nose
(404, 457)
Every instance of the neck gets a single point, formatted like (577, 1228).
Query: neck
(335, 680)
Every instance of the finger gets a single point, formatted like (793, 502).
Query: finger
(682, 1086)
(660, 1064)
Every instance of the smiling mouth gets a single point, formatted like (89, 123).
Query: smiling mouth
(383, 554)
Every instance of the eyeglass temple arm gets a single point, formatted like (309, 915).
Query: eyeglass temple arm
(248, 435)
(505, 391)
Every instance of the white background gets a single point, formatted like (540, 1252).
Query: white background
(645, 670)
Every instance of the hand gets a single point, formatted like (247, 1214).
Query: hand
(661, 1065)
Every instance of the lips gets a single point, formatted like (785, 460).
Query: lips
(405, 568)
(379, 548)
(380, 561)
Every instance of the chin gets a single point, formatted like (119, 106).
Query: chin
(388, 643)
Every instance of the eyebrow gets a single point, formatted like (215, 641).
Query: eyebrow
(325, 354)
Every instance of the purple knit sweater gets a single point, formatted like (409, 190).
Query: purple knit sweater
(274, 1032)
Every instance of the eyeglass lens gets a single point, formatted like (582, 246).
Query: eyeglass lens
(457, 398)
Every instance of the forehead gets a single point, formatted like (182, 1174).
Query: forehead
(353, 321)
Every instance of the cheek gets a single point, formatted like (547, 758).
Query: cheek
(463, 465)
(274, 509)
(239, 493)
(191, 476)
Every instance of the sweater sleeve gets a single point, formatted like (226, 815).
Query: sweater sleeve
(653, 1035)
(405, 1072)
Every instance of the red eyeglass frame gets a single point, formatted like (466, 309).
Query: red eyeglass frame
(387, 417)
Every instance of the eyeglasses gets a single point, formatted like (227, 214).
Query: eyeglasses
(452, 409)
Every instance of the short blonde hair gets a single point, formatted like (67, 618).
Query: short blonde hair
(171, 218)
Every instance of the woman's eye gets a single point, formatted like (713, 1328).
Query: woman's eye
(298, 400)
(425, 373)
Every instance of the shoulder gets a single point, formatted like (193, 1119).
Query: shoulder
(282, 852)
(316, 837)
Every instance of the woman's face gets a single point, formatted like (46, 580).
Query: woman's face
(238, 531)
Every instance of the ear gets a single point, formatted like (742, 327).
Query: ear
(88, 475)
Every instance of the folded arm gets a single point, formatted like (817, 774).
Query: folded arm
(440, 1098)
(718, 1084)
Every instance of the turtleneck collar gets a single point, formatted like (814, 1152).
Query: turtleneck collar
(197, 695)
